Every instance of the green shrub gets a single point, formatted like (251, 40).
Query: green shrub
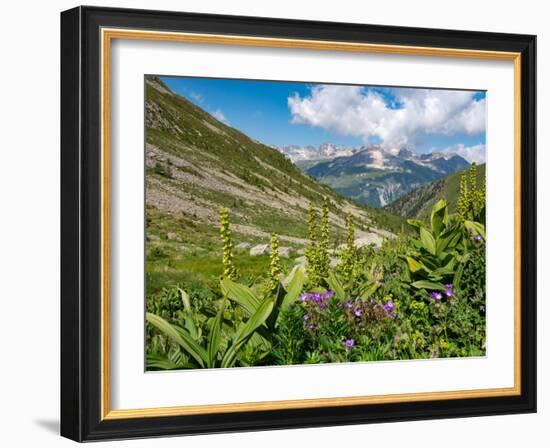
(162, 170)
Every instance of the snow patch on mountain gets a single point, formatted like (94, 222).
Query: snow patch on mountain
(325, 151)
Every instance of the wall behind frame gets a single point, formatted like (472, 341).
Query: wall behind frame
(29, 235)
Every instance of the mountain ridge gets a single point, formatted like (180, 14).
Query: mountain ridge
(376, 177)
(418, 202)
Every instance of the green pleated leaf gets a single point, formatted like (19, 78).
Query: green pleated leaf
(370, 291)
(293, 289)
(336, 285)
(155, 361)
(246, 330)
(448, 240)
(439, 217)
(428, 240)
(240, 294)
(215, 338)
(459, 271)
(180, 336)
(416, 223)
(415, 266)
(424, 284)
(191, 327)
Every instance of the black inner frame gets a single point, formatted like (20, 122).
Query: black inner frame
(81, 220)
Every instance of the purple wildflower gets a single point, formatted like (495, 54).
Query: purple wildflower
(349, 343)
(479, 237)
(306, 317)
(436, 295)
(303, 297)
(449, 290)
(389, 306)
(357, 312)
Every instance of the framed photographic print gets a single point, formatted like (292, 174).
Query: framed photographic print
(274, 223)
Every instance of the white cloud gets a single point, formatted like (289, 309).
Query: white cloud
(218, 114)
(197, 97)
(360, 112)
(475, 153)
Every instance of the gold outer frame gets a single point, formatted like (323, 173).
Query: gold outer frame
(107, 35)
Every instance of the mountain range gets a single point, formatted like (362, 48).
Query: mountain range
(373, 175)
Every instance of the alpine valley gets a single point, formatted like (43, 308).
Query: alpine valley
(373, 175)
(196, 164)
(264, 256)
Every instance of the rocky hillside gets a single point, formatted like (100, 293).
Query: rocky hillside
(197, 164)
(418, 203)
(376, 176)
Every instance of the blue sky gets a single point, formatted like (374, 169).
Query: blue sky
(289, 113)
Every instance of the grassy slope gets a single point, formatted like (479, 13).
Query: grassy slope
(418, 203)
(195, 165)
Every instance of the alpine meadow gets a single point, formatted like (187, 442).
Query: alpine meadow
(299, 223)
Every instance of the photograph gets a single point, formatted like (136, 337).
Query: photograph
(292, 223)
